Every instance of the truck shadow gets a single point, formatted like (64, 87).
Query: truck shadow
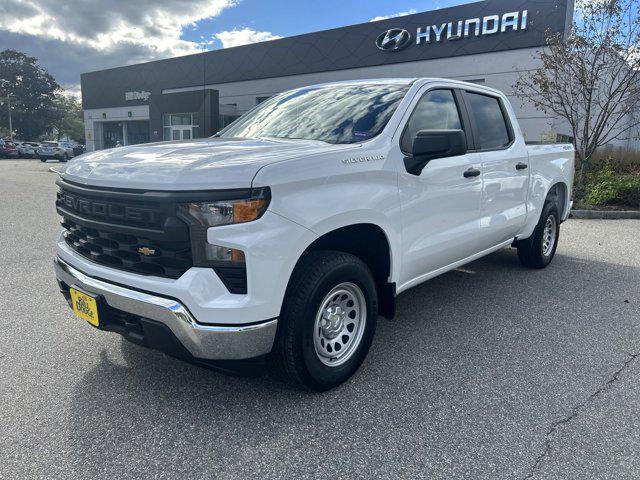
(487, 348)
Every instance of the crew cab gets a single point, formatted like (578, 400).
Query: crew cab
(285, 235)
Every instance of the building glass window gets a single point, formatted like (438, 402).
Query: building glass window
(137, 132)
(181, 126)
(227, 120)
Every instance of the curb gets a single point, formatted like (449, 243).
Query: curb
(605, 214)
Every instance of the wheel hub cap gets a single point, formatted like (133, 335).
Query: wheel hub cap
(549, 236)
(333, 321)
(339, 324)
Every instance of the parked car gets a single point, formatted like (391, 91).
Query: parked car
(8, 150)
(54, 150)
(288, 232)
(25, 150)
(79, 149)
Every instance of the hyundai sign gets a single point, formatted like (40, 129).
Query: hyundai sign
(397, 39)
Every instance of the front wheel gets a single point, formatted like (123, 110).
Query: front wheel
(327, 322)
(538, 250)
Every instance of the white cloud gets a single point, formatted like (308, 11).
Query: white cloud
(243, 36)
(394, 15)
(74, 36)
(151, 23)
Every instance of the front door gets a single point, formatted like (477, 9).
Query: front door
(441, 206)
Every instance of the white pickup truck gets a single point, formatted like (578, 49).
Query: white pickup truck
(286, 234)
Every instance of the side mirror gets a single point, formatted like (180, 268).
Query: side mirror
(432, 144)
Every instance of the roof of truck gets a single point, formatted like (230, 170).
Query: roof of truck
(403, 81)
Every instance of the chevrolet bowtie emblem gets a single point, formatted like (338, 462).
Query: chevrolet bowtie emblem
(146, 251)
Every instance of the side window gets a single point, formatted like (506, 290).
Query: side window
(436, 110)
(491, 126)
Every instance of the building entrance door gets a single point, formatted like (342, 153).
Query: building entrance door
(181, 126)
(112, 134)
(181, 133)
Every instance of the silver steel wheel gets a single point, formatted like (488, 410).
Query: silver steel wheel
(549, 235)
(339, 324)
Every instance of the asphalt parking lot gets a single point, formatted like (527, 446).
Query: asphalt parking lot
(491, 371)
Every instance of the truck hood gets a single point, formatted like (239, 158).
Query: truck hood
(206, 164)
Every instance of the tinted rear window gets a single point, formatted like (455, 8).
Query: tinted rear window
(491, 126)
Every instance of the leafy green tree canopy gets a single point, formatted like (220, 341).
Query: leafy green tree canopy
(33, 91)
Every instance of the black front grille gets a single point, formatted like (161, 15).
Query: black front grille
(128, 231)
(129, 252)
(139, 231)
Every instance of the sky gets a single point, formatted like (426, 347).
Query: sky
(70, 37)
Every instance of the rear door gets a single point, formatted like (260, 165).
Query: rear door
(505, 167)
(441, 206)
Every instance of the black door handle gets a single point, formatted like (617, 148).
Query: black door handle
(472, 172)
(521, 166)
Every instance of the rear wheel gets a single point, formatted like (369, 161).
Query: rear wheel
(327, 322)
(538, 250)
(42, 159)
(64, 158)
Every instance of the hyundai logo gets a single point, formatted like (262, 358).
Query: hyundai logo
(393, 40)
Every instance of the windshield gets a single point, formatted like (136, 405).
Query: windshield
(333, 114)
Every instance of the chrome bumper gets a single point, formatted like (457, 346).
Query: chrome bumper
(207, 342)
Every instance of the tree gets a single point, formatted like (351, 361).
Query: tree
(591, 77)
(32, 91)
(67, 118)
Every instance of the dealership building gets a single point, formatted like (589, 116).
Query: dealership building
(491, 42)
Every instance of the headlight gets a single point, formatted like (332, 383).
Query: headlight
(203, 215)
(213, 214)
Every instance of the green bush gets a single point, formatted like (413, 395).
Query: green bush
(606, 187)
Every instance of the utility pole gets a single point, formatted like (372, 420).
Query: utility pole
(10, 125)
(3, 83)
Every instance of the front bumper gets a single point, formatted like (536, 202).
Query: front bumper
(137, 314)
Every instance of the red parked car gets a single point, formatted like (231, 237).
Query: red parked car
(8, 150)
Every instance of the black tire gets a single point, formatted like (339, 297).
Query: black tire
(294, 354)
(64, 158)
(531, 251)
(42, 159)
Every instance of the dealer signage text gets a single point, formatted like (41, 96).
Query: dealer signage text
(137, 96)
(398, 39)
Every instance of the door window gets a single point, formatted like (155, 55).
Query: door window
(491, 125)
(436, 110)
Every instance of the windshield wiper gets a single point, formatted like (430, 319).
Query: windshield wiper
(296, 138)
